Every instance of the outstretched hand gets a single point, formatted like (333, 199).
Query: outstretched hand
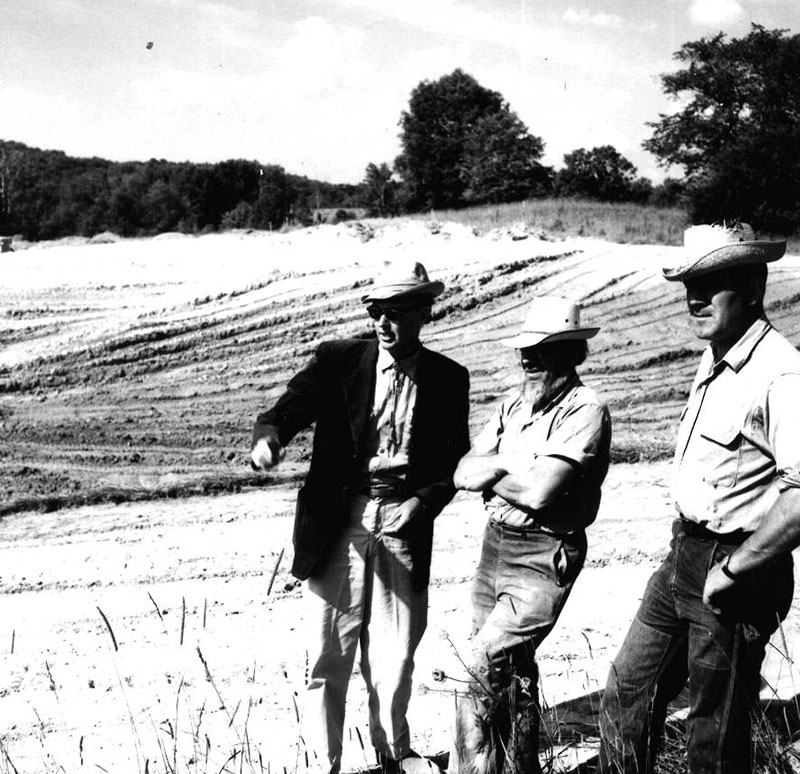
(267, 452)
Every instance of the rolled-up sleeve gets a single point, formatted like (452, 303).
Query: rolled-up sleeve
(581, 435)
(488, 440)
(782, 420)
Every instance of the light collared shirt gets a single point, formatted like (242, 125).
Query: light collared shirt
(385, 453)
(738, 441)
(575, 426)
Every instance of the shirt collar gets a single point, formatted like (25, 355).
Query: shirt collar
(408, 364)
(741, 351)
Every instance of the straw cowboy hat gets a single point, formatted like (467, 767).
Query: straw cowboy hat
(711, 248)
(549, 319)
(403, 278)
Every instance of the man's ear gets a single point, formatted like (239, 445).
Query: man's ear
(757, 289)
(426, 315)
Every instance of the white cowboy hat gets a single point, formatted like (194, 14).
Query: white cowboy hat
(550, 318)
(716, 247)
(403, 278)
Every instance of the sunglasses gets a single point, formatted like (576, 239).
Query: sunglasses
(531, 356)
(392, 315)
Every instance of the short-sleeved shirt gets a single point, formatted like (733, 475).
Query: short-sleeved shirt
(738, 441)
(575, 426)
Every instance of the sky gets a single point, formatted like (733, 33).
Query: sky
(318, 86)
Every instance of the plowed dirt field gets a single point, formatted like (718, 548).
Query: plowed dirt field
(148, 622)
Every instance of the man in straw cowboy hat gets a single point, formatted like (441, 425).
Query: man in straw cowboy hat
(391, 425)
(539, 464)
(709, 609)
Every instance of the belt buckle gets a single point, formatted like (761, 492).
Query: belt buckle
(383, 491)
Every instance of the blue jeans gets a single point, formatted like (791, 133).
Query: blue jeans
(676, 637)
(521, 584)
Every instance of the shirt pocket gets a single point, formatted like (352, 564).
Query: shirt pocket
(721, 455)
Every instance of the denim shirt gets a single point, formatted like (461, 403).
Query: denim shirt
(738, 441)
(575, 426)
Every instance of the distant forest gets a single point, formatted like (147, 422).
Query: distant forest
(46, 194)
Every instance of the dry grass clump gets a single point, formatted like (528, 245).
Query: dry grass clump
(622, 223)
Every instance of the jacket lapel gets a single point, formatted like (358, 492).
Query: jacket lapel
(421, 423)
(358, 390)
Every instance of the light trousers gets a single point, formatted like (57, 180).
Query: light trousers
(362, 595)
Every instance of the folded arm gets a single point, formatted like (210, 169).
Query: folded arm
(539, 488)
(532, 486)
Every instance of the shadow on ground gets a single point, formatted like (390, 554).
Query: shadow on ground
(570, 735)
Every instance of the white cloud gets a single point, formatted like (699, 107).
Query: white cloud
(315, 105)
(176, 89)
(585, 17)
(232, 27)
(715, 11)
(457, 20)
(321, 56)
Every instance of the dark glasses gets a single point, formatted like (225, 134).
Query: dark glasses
(392, 315)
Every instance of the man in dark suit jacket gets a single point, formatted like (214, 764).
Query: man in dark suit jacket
(391, 425)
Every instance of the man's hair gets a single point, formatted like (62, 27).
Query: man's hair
(568, 354)
(752, 275)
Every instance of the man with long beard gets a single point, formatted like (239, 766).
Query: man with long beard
(539, 464)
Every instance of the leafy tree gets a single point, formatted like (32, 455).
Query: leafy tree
(501, 161)
(239, 217)
(272, 206)
(224, 185)
(600, 173)
(164, 208)
(670, 193)
(11, 161)
(445, 131)
(738, 134)
(379, 190)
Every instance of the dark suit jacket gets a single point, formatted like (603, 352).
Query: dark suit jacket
(335, 390)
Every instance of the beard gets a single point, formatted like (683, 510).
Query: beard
(538, 395)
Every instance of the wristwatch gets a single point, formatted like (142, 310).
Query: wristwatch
(726, 570)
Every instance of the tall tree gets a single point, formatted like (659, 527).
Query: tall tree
(11, 161)
(274, 200)
(738, 133)
(379, 190)
(501, 161)
(444, 117)
(600, 173)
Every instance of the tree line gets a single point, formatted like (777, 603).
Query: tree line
(736, 139)
(47, 194)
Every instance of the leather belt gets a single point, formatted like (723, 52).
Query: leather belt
(381, 491)
(527, 532)
(516, 531)
(696, 530)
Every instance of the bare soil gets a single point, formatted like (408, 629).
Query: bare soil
(148, 621)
